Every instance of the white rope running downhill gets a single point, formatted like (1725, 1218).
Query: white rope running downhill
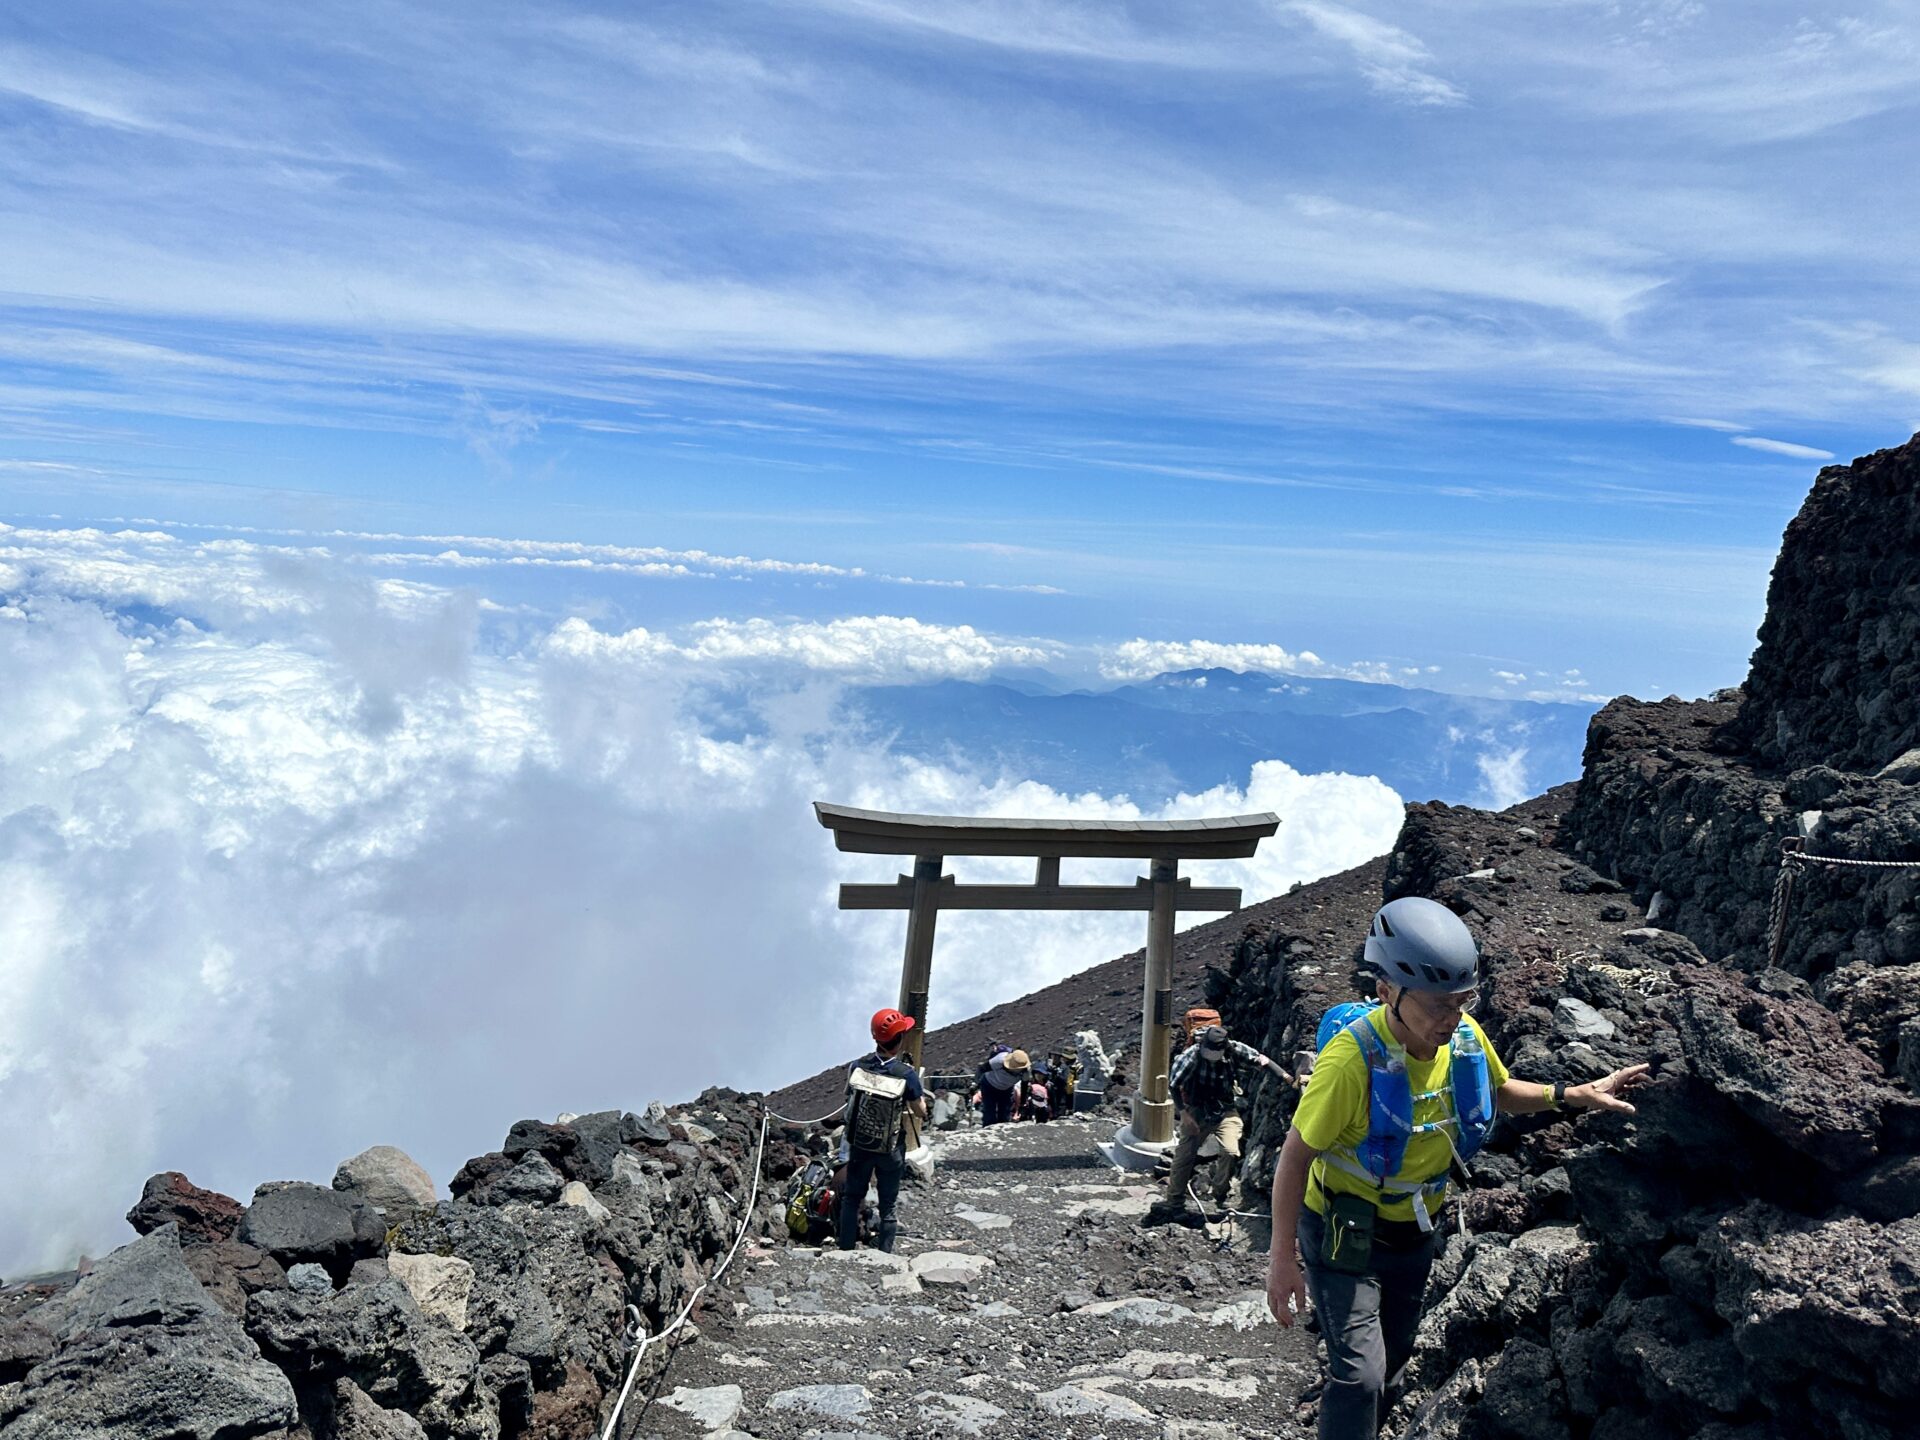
(1793, 859)
(642, 1340)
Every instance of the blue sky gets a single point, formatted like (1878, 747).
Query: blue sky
(1500, 337)
(425, 431)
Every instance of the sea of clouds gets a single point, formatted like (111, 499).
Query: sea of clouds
(296, 858)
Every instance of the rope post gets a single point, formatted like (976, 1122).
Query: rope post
(1791, 858)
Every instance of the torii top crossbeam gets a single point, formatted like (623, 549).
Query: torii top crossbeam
(1165, 843)
(885, 832)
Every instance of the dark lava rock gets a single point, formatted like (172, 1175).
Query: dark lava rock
(554, 1143)
(1524, 1398)
(356, 1417)
(1836, 678)
(1581, 880)
(648, 1129)
(480, 1171)
(1785, 1062)
(599, 1138)
(142, 1353)
(205, 1217)
(294, 1221)
(530, 1182)
(1807, 1299)
(375, 1335)
(23, 1345)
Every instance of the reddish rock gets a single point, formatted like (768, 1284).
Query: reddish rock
(231, 1271)
(571, 1410)
(205, 1217)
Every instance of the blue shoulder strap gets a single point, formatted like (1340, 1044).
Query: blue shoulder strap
(1389, 1103)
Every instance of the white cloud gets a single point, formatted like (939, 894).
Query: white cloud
(1510, 677)
(347, 868)
(1392, 59)
(1782, 447)
(1142, 659)
(870, 648)
(1725, 427)
(1503, 773)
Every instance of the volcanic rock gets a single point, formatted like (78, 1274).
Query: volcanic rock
(387, 1179)
(141, 1352)
(376, 1336)
(1836, 678)
(294, 1221)
(205, 1217)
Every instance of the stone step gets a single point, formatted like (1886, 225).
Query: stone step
(1023, 1300)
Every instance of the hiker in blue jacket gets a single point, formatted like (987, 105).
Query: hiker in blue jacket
(881, 1088)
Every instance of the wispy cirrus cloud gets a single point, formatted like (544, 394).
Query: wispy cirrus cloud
(1782, 447)
(1393, 60)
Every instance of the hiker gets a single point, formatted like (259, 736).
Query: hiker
(999, 1078)
(1066, 1080)
(1206, 1093)
(881, 1089)
(1398, 1090)
(1036, 1096)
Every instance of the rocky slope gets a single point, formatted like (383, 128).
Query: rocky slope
(1740, 1260)
(372, 1310)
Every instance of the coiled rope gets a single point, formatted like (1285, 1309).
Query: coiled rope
(637, 1331)
(1794, 859)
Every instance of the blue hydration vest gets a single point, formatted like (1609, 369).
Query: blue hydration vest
(1390, 1101)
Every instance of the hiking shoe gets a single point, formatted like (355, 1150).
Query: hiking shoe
(1159, 1214)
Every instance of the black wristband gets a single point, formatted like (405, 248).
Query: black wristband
(1559, 1094)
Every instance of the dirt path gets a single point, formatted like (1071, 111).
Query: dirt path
(1023, 1300)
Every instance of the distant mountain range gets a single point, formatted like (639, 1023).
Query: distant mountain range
(1190, 730)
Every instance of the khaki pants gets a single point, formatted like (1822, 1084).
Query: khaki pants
(1186, 1158)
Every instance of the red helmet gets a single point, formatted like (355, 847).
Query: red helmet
(890, 1025)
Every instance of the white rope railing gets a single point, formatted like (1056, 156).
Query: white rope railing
(641, 1340)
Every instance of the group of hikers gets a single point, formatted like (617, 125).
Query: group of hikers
(1403, 1090)
(1010, 1085)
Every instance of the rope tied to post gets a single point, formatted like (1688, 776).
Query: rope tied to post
(1793, 860)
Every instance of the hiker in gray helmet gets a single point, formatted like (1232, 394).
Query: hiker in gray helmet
(1360, 1186)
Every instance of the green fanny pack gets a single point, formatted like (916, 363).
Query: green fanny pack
(1347, 1245)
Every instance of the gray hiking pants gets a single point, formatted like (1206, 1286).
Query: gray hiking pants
(1368, 1322)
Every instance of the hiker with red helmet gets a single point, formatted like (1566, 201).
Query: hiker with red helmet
(881, 1088)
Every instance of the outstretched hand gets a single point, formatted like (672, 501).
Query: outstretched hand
(1604, 1094)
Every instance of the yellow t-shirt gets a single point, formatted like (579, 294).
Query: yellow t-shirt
(1333, 1112)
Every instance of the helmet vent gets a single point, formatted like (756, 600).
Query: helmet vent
(1386, 927)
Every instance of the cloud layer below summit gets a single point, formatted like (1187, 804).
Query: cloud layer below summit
(301, 860)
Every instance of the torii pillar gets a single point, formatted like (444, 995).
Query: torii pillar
(930, 839)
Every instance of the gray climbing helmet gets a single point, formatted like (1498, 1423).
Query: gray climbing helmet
(1422, 945)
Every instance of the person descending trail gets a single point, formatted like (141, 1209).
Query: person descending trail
(1398, 1091)
(881, 1089)
(1206, 1093)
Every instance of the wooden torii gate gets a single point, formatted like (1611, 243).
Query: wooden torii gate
(930, 839)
